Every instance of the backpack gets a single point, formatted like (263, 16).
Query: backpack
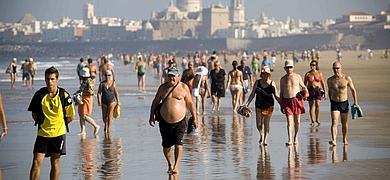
(64, 102)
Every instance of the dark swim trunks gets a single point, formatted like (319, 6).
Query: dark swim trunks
(315, 93)
(343, 107)
(49, 145)
(172, 134)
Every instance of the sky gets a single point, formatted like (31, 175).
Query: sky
(308, 10)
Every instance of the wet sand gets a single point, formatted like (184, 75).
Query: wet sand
(225, 147)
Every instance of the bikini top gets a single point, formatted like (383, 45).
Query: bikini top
(311, 79)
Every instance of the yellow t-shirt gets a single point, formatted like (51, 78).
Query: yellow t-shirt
(54, 124)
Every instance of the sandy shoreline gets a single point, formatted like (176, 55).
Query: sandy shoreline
(368, 155)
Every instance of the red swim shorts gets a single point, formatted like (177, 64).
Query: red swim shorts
(292, 106)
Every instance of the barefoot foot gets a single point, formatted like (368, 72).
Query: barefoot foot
(332, 143)
(96, 131)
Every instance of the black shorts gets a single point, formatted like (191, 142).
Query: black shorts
(343, 107)
(172, 134)
(218, 91)
(49, 145)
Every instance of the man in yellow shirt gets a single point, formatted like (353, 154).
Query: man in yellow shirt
(52, 110)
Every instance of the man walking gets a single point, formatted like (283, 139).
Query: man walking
(247, 77)
(52, 110)
(339, 106)
(176, 99)
(292, 106)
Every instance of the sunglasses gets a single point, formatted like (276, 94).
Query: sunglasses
(336, 68)
(288, 67)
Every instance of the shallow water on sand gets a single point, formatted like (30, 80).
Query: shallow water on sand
(224, 147)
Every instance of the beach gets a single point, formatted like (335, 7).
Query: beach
(225, 145)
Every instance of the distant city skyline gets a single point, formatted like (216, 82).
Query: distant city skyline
(308, 10)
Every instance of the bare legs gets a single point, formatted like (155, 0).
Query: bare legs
(315, 112)
(13, 80)
(141, 83)
(236, 96)
(173, 164)
(91, 121)
(297, 121)
(35, 171)
(216, 103)
(344, 124)
(107, 114)
(262, 122)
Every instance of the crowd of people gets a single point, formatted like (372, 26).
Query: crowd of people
(202, 77)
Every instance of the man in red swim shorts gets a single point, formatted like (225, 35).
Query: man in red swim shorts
(292, 106)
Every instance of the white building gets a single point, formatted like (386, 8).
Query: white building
(89, 14)
(189, 5)
(358, 17)
(237, 13)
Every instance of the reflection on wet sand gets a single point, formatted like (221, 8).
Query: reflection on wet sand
(238, 144)
(294, 169)
(315, 153)
(264, 168)
(335, 158)
(87, 154)
(112, 160)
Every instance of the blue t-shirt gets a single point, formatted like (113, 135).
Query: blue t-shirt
(246, 71)
(266, 62)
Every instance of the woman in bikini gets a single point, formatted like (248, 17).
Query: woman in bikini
(108, 98)
(235, 82)
(265, 91)
(314, 82)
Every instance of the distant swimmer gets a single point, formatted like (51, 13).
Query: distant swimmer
(338, 95)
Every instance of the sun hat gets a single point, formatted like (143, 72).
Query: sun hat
(288, 63)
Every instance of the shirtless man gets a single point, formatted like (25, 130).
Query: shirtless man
(105, 66)
(173, 117)
(338, 95)
(235, 83)
(92, 70)
(188, 76)
(291, 105)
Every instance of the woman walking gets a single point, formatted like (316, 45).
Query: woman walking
(108, 98)
(314, 82)
(11, 69)
(217, 76)
(265, 91)
(85, 109)
(235, 82)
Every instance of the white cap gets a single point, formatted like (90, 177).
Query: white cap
(289, 63)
